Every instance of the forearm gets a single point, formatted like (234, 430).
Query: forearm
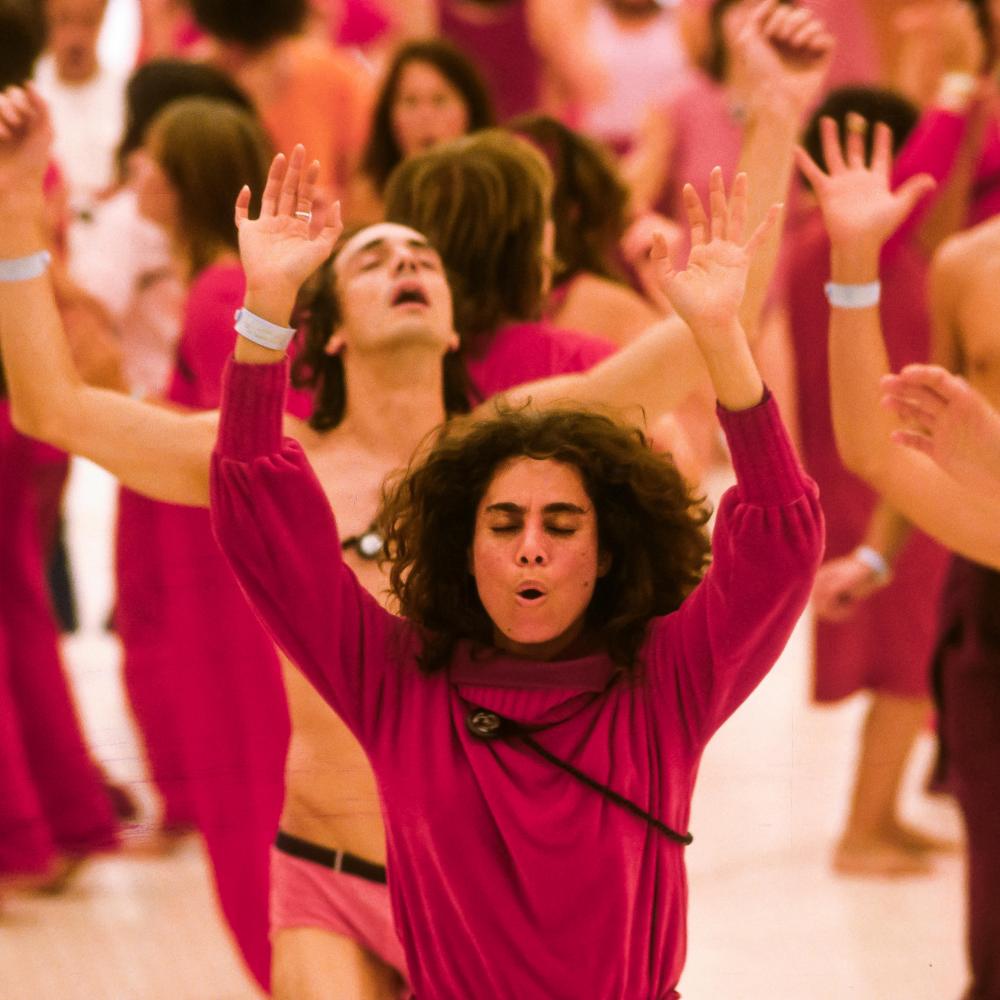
(887, 532)
(656, 373)
(858, 360)
(731, 367)
(767, 158)
(42, 380)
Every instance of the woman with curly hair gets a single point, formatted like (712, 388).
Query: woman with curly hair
(536, 710)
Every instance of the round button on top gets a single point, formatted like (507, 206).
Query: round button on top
(483, 724)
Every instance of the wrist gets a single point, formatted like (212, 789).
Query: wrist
(854, 263)
(874, 561)
(274, 305)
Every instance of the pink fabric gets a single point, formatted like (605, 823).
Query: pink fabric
(933, 148)
(202, 675)
(361, 22)
(885, 646)
(305, 894)
(496, 858)
(499, 43)
(706, 134)
(52, 795)
(522, 352)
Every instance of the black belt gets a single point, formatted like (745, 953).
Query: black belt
(338, 861)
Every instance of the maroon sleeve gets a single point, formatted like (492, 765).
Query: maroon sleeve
(274, 523)
(767, 544)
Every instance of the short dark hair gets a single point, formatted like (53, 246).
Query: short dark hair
(158, 82)
(648, 521)
(209, 149)
(22, 39)
(875, 104)
(589, 200)
(252, 23)
(317, 315)
(482, 202)
(382, 153)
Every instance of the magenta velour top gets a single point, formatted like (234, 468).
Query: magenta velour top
(508, 877)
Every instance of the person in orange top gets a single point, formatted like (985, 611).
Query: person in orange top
(305, 90)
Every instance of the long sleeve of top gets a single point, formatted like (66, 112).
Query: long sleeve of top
(508, 876)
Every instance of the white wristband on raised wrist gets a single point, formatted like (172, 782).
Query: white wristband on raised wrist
(853, 296)
(25, 268)
(875, 561)
(263, 332)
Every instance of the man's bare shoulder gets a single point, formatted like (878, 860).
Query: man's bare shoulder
(963, 252)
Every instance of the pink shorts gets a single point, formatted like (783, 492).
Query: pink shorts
(306, 894)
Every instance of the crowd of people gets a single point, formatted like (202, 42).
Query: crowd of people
(410, 331)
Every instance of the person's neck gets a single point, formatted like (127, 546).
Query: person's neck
(395, 399)
(79, 79)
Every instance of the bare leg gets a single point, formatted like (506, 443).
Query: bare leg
(875, 841)
(312, 964)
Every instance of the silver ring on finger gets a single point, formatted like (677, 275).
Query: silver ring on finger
(304, 216)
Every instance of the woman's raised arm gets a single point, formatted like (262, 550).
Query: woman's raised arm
(161, 453)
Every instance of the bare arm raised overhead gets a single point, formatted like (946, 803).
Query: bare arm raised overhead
(861, 213)
(785, 62)
(162, 453)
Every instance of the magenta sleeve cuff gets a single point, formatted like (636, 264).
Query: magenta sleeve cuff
(253, 404)
(767, 469)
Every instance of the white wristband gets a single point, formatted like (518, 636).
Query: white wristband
(853, 296)
(25, 268)
(262, 331)
(875, 561)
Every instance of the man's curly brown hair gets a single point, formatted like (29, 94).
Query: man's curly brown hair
(648, 520)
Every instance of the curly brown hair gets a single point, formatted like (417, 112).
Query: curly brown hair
(648, 520)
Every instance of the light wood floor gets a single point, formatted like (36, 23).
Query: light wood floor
(768, 919)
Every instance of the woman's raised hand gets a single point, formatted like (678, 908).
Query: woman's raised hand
(25, 142)
(294, 232)
(855, 196)
(708, 292)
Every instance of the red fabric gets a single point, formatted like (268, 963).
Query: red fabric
(52, 796)
(886, 645)
(500, 45)
(495, 856)
(523, 352)
(203, 678)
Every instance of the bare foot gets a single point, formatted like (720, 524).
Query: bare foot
(878, 859)
(915, 841)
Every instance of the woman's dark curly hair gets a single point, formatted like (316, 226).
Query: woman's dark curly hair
(648, 521)
(589, 200)
(317, 316)
(382, 154)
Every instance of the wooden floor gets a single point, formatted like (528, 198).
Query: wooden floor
(767, 920)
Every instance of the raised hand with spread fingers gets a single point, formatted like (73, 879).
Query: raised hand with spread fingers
(291, 236)
(707, 293)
